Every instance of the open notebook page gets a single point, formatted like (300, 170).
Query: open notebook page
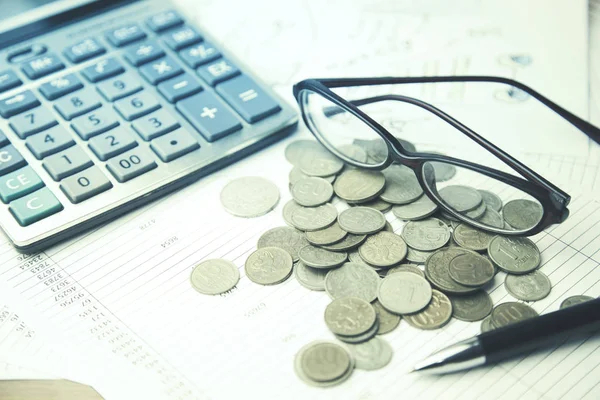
(120, 296)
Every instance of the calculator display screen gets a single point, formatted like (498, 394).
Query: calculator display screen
(12, 8)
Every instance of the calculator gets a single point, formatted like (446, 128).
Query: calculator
(106, 105)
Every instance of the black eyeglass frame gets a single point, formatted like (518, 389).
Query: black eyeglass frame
(554, 201)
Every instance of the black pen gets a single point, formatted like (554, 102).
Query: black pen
(515, 340)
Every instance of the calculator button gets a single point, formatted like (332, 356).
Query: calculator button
(85, 184)
(10, 159)
(112, 143)
(125, 35)
(218, 71)
(248, 99)
(84, 50)
(42, 66)
(60, 86)
(164, 20)
(199, 54)
(95, 123)
(49, 142)
(179, 87)
(3, 139)
(174, 145)
(77, 104)
(182, 37)
(102, 69)
(35, 206)
(66, 163)
(18, 103)
(119, 87)
(160, 70)
(154, 125)
(136, 106)
(19, 183)
(208, 115)
(143, 53)
(33, 121)
(9, 80)
(131, 164)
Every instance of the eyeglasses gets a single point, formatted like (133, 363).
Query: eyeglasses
(498, 194)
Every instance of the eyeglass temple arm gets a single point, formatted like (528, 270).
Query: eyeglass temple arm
(590, 130)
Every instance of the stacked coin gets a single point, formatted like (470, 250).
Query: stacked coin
(437, 268)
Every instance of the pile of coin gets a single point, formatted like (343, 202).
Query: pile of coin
(436, 269)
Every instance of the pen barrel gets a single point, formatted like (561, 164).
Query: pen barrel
(534, 333)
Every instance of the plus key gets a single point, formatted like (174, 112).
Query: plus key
(209, 115)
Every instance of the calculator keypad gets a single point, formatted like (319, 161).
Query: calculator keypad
(120, 115)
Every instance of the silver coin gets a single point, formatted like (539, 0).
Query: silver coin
(295, 175)
(421, 208)
(350, 316)
(514, 255)
(412, 268)
(401, 185)
(387, 321)
(471, 270)
(522, 214)
(323, 363)
(404, 293)
(437, 313)
(354, 152)
(350, 242)
(376, 149)
(471, 238)
(313, 218)
(297, 148)
(477, 212)
(417, 256)
(286, 238)
(492, 218)
(317, 257)
(312, 191)
(437, 270)
(352, 280)
(320, 163)
(528, 287)
(511, 312)
(371, 355)
(427, 235)
(472, 307)
(376, 204)
(354, 257)
(360, 338)
(443, 171)
(287, 211)
(383, 249)
(214, 276)
(356, 185)
(460, 198)
(491, 200)
(361, 220)
(573, 301)
(310, 278)
(269, 266)
(332, 234)
(486, 324)
(250, 196)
